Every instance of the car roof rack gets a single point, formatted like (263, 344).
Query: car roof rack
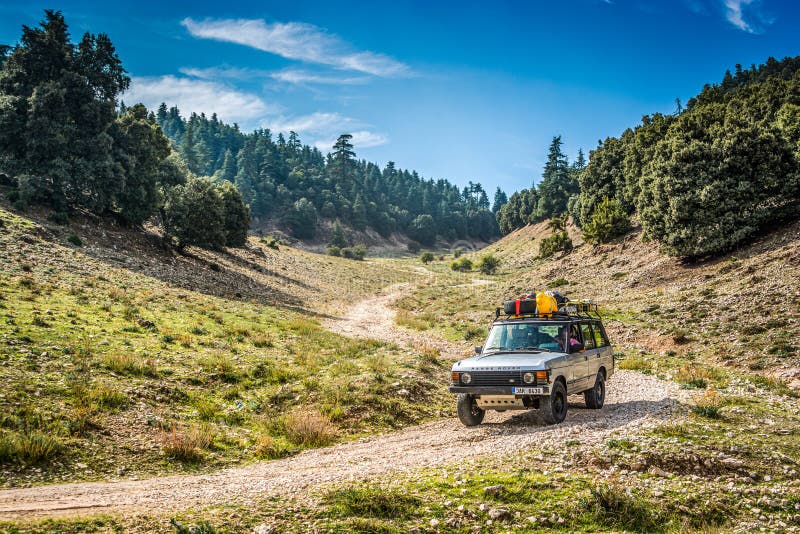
(572, 309)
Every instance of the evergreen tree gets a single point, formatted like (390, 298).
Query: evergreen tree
(500, 200)
(236, 215)
(338, 239)
(557, 184)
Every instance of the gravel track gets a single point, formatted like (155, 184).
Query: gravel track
(634, 401)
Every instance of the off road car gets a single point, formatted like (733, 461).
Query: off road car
(535, 360)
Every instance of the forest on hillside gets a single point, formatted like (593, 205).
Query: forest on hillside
(701, 181)
(68, 142)
(282, 179)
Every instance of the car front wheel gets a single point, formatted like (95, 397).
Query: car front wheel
(468, 411)
(554, 407)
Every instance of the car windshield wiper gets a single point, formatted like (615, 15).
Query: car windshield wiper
(530, 348)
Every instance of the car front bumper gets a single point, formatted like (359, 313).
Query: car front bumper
(493, 390)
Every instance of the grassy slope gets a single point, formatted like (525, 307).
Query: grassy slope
(741, 310)
(120, 358)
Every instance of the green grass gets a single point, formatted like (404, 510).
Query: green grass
(102, 359)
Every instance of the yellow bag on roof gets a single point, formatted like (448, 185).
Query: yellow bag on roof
(546, 304)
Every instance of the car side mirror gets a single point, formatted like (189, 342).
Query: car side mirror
(478, 350)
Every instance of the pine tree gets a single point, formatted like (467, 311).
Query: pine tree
(500, 200)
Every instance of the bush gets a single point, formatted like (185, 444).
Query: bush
(463, 265)
(608, 221)
(334, 251)
(338, 239)
(194, 214)
(427, 257)
(75, 240)
(271, 242)
(488, 264)
(309, 429)
(59, 217)
(187, 446)
(413, 247)
(269, 448)
(558, 242)
(358, 252)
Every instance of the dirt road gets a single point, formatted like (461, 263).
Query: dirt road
(634, 401)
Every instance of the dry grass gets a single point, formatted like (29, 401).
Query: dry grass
(261, 341)
(187, 445)
(130, 364)
(409, 320)
(271, 448)
(309, 428)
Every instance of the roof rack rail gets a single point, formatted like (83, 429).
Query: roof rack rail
(572, 309)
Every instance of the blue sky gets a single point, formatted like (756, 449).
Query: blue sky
(456, 90)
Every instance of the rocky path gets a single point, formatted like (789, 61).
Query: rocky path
(634, 401)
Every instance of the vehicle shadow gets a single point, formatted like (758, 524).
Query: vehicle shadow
(612, 415)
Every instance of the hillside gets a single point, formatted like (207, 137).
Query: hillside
(122, 358)
(741, 310)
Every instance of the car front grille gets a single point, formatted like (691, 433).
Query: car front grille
(497, 378)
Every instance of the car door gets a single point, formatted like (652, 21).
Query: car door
(589, 355)
(605, 354)
(594, 358)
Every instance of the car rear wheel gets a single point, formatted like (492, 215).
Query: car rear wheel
(596, 396)
(554, 407)
(468, 411)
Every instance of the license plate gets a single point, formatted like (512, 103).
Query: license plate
(528, 391)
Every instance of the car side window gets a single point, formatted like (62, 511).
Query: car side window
(600, 338)
(588, 337)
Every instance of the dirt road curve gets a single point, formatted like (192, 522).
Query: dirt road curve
(634, 401)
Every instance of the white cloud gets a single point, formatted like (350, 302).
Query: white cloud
(314, 124)
(361, 139)
(224, 72)
(300, 77)
(297, 41)
(199, 96)
(735, 13)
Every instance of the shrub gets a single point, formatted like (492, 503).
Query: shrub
(271, 242)
(59, 217)
(612, 506)
(558, 282)
(558, 242)
(334, 251)
(413, 247)
(427, 257)
(75, 240)
(458, 252)
(372, 501)
(187, 446)
(608, 221)
(261, 341)
(488, 264)
(708, 404)
(269, 448)
(309, 429)
(194, 214)
(462, 265)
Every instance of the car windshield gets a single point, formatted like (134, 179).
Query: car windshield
(548, 336)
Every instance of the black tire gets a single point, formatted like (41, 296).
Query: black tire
(554, 407)
(468, 411)
(596, 396)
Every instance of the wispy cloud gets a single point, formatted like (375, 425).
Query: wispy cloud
(361, 139)
(323, 128)
(297, 41)
(753, 21)
(225, 72)
(319, 123)
(199, 96)
(302, 77)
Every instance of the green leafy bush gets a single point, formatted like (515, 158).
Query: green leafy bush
(488, 264)
(427, 257)
(558, 242)
(608, 221)
(462, 265)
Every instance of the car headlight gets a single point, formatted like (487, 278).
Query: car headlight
(529, 378)
(466, 378)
